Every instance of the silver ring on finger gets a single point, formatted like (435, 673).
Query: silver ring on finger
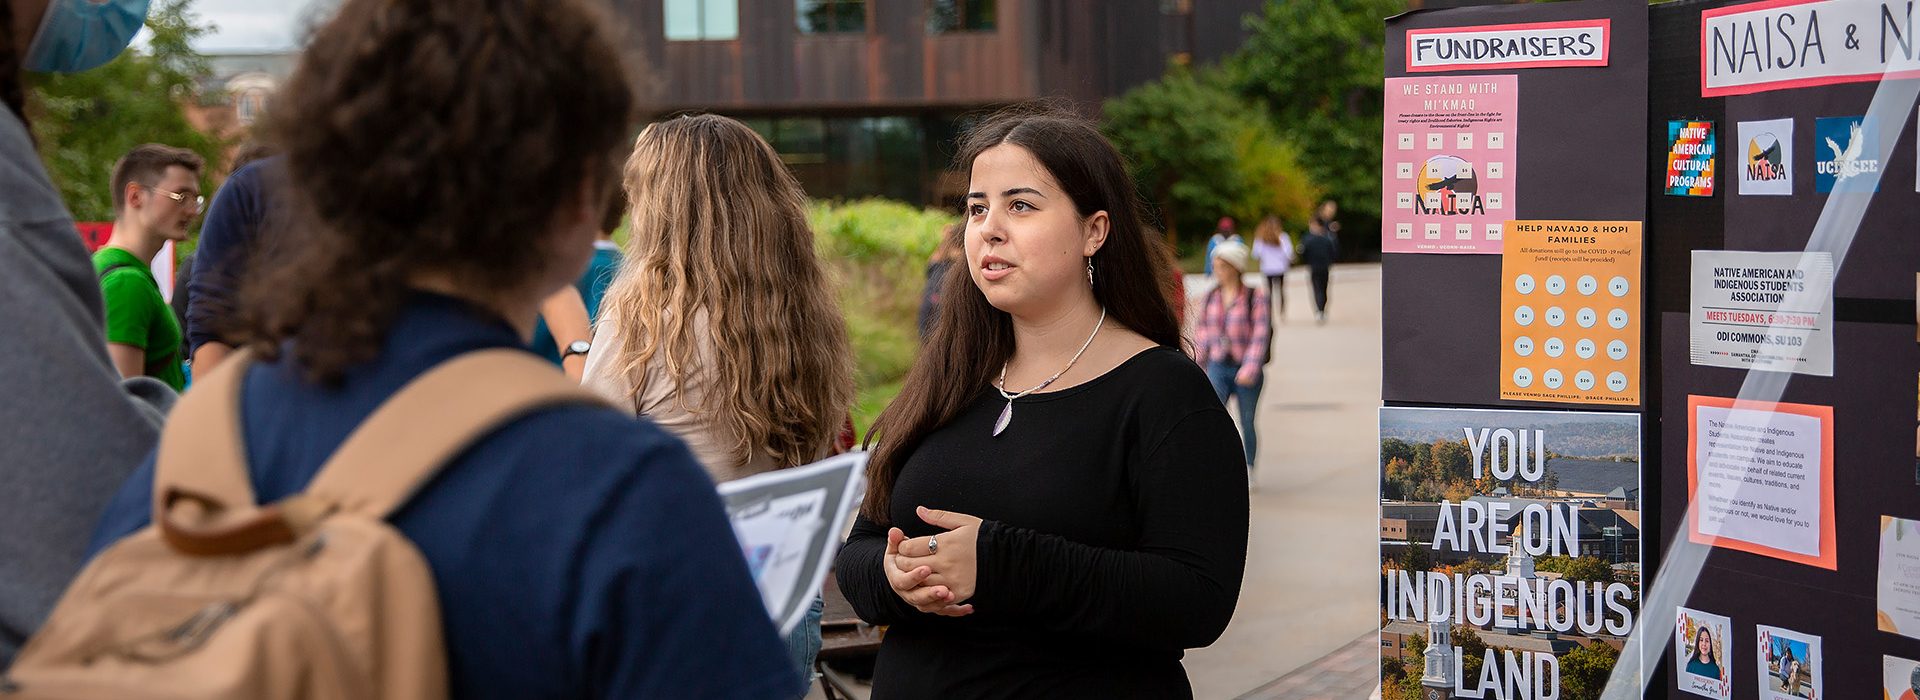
(933, 544)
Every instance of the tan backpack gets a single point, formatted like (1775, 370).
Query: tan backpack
(312, 597)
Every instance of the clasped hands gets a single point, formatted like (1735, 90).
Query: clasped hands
(937, 582)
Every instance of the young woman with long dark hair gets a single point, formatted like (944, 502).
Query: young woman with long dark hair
(1056, 506)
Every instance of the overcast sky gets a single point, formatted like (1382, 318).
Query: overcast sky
(251, 25)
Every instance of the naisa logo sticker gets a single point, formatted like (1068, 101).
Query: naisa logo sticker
(1766, 166)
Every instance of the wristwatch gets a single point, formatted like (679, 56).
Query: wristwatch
(578, 347)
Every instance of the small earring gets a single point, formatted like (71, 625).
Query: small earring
(1089, 272)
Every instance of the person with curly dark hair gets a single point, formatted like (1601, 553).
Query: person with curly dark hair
(449, 162)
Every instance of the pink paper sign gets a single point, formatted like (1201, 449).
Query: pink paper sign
(1448, 163)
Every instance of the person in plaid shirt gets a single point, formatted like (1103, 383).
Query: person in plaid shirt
(1231, 338)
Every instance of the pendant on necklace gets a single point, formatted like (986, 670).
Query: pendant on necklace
(1006, 416)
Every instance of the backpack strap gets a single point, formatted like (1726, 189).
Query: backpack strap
(202, 456)
(111, 268)
(382, 463)
(434, 419)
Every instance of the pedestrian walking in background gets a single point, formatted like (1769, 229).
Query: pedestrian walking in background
(1326, 214)
(70, 426)
(1231, 341)
(722, 326)
(1222, 233)
(574, 551)
(1318, 251)
(156, 197)
(1274, 247)
(1054, 504)
(944, 256)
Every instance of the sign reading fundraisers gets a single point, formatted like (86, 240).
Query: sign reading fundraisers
(1690, 158)
(1570, 312)
(1768, 148)
(1766, 311)
(1539, 45)
(1513, 527)
(1760, 478)
(1761, 46)
(1448, 166)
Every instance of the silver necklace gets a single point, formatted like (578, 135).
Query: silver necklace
(1006, 414)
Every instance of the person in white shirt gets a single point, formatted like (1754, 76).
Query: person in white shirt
(1274, 248)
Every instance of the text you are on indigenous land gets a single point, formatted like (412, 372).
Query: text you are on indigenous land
(1507, 601)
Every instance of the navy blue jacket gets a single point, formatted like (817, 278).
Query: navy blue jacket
(228, 239)
(578, 553)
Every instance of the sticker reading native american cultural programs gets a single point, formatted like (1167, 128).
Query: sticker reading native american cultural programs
(1690, 156)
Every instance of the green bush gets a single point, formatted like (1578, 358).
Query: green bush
(877, 252)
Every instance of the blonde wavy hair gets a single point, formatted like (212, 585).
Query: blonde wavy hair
(718, 231)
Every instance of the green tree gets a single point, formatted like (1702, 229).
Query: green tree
(1415, 558)
(1274, 182)
(1589, 569)
(1455, 460)
(1392, 448)
(1179, 133)
(1200, 151)
(1392, 670)
(85, 121)
(1584, 671)
(1473, 650)
(1317, 67)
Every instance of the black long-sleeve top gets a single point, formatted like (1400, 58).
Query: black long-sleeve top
(1115, 537)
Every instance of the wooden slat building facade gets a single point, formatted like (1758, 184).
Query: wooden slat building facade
(873, 110)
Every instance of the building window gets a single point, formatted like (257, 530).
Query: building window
(250, 106)
(960, 16)
(832, 16)
(703, 20)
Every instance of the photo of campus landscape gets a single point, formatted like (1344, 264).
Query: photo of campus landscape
(1589, 483)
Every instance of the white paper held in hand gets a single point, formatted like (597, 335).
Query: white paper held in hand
(790, 524)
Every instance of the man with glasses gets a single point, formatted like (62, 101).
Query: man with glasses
(156, 195)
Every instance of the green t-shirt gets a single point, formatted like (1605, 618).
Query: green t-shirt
(138, 316)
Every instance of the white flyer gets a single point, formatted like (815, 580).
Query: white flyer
(790, 524)
(1899, 576)
(1763, 311)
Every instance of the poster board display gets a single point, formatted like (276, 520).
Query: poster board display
(1589, 112)
(1803, 150)
(1803, 140)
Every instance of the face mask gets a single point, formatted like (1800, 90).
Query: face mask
(81, 34)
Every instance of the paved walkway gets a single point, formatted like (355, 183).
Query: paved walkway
(1349, 673)
(1309, 605)
(1310, 587)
